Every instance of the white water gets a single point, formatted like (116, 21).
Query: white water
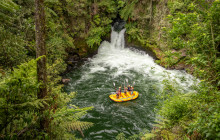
(114, 56)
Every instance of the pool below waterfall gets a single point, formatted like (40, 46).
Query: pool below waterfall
(115, 63)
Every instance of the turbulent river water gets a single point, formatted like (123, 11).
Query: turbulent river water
(93, 83)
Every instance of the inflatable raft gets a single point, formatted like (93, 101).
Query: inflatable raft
(124, 97)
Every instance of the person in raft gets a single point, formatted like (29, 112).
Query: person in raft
(118, 94)
(129, 88)
(125, 90)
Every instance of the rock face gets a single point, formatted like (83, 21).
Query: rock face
(73, 58)
(180, 65)
(118, 24)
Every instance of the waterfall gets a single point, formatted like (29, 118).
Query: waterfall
(115, 56)
(117, 39)
(117, 42)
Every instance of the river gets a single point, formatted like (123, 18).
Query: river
(115, 63)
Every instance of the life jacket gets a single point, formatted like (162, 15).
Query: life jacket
(129, 89)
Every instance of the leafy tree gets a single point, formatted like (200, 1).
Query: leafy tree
(195, 31)
(20, 105)
(41, 63)
(12, 51)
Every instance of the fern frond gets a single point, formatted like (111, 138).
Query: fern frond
(78, 125)
(79, 115)
(8, 5)
(127, 11)
(160, 122)
(50, 11)
(38, 103)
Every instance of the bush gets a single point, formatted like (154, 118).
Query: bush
(175, 109)
(207, 122)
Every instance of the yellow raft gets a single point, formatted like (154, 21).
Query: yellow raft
(124, 97)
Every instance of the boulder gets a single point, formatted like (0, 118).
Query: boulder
(65, 81)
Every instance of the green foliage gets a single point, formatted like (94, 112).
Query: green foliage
(5, 7)
(207, 112)
(121, 136)
(175, 109)
(66, 21)
(160, 124)
(127, 11)
(120, 4)
(12, 51)
(20, 106)
(109, 6)
(193, 115)
(135, 33)
(95, 36)
(195, 28)
(66, 120)
(18, 94)
(132, 31)
(81, 19)
(207, 122)
(169, 60)
(176, 6)
(138, 15)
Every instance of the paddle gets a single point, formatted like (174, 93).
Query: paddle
(133, 83)
(124, 87)
(133, 87)
(127, 81)
(114, 87)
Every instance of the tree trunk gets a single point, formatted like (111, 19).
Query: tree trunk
(151, 10)
(41, 51)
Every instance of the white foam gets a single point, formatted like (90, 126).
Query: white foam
(114, 55)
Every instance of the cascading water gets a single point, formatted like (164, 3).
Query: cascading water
(114, 63)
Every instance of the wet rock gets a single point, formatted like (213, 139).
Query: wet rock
(65, 81)
(180, 66)
(182, 52)
(119, 25)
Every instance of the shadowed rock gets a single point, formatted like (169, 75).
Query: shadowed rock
(119, 25)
